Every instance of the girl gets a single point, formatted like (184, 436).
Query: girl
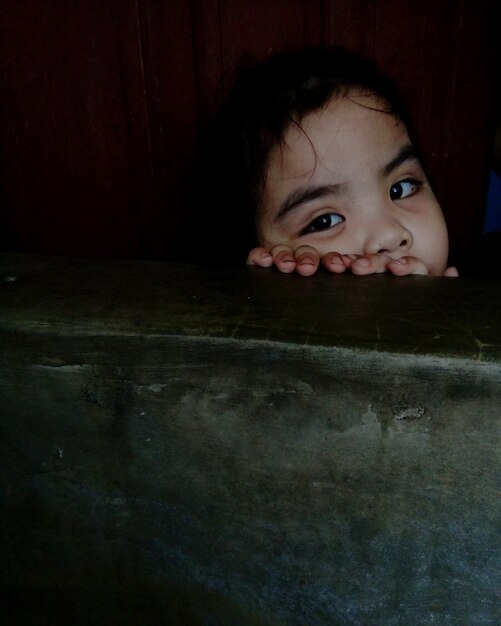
(320, 170)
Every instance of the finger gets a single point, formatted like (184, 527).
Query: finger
(307, 260)
(335, 263)
(451, 272)
(408, 265)
(349, 258)
(260, 257)
(369, 264)
(283, 259)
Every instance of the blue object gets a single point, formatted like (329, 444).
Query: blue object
(493, 212)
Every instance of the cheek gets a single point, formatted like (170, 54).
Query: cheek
(433, 245)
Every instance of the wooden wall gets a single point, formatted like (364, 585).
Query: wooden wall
(101, 101)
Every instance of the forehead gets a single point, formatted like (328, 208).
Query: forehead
(349, 132)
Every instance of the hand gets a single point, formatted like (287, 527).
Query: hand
(306, 260)
(404, 266)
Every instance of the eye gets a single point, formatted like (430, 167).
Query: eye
(323, 222)
(403, 189)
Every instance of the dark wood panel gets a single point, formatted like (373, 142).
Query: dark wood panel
(167, 53)
(351, 24)
(67, 130)
(266, 27)
(468, 133)
(207, 52)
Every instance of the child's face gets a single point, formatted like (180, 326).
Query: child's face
(351, 183)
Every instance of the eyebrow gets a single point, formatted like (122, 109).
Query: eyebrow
(406, 153)
(309, 192)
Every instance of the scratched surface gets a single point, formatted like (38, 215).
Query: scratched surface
(195, 447)
(414, 315)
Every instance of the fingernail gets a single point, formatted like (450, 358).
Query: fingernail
(306, 260)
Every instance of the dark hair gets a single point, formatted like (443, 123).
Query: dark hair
(266, 99)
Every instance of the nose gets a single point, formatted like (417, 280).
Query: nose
(388, 236)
